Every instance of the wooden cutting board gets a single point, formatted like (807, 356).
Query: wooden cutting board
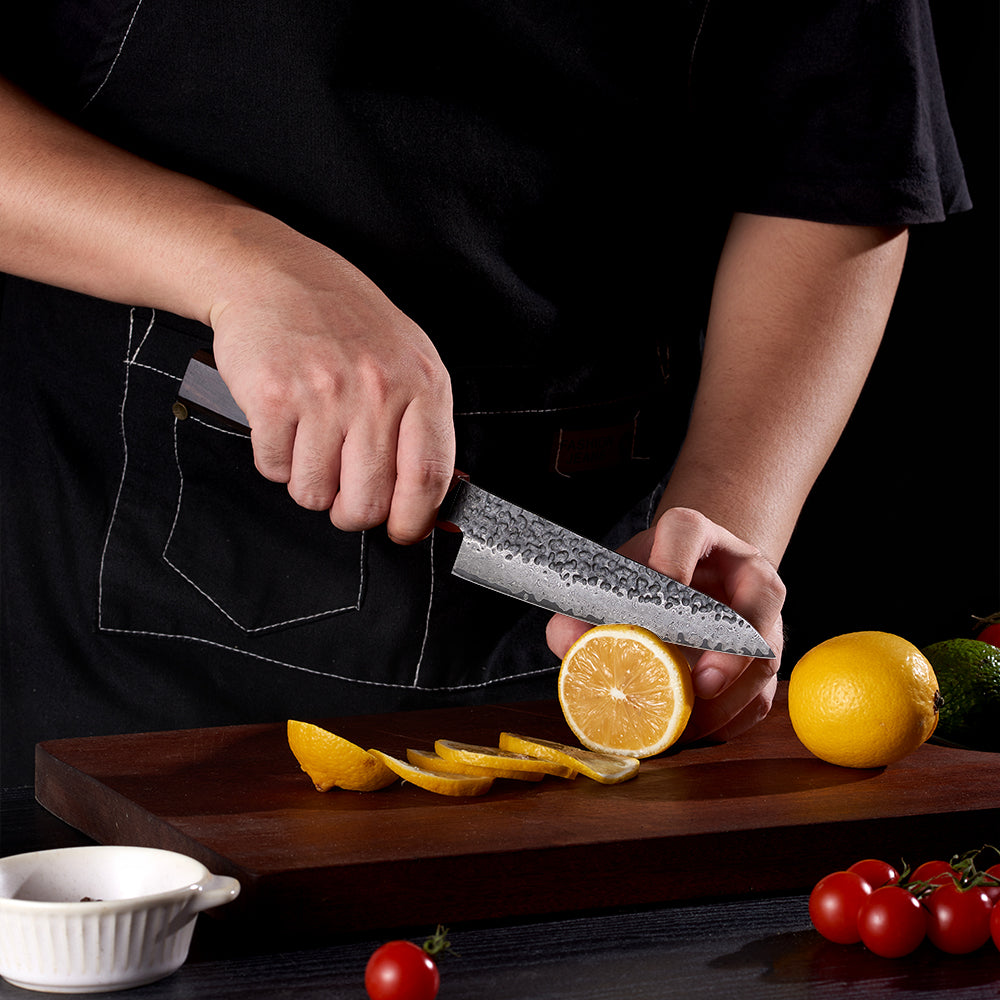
(758, 814)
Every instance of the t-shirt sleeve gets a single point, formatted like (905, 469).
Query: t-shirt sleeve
(832, 110)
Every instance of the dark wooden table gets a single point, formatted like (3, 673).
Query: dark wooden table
(756, 947)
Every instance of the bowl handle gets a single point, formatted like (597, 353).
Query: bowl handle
(213, 891)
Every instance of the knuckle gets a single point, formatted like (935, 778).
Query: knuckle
(758, 709)
(310, 499)
(272, 463)
(374, 379)
(358, 515)
(769, 583)
(426, 477)
(685, 519)
(271, 397)
(312, 484)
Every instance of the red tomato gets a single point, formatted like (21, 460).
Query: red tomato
(993, 891)
(935, 872)
(995, 925)
(875, 873)
(400, 970)
(834, 904)
(958, 919)
(891, 922)
(990, 634)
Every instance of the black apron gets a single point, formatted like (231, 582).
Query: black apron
(492, 168)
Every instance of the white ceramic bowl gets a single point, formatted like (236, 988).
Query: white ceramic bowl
(88, 919)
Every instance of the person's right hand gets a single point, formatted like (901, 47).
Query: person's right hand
(347, 398)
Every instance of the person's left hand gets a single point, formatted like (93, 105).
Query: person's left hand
(733, 693)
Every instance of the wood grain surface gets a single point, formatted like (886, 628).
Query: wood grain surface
(758, 814)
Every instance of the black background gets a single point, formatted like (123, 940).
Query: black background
(901, 531)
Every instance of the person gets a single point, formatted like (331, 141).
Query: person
(629, 275)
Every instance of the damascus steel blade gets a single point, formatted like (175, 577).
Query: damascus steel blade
(515, 552)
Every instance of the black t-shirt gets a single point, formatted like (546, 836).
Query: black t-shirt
(543, 186)
(516, 175)
(830, 111)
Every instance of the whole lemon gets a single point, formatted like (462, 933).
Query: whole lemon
(864, 699)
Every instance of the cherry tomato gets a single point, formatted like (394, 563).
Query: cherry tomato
(958, 919)
(990, 634)
(400, 970)
(995, 925)
(834, 904)
(935, 872)
(891, 922)
(875, 873)
(993, 891)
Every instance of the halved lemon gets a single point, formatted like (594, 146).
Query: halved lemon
(434, 781)
(623, 690)
(470, 753)
(333, 762)
(608, 769)
(431, 761)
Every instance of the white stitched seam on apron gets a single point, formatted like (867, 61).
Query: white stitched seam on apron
(427, 618)
(114, 62)
(327, 673)
(215, 603)
(549, 409)
(121, 482)
(155, 370)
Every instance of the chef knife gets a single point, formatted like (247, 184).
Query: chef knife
(518, 553)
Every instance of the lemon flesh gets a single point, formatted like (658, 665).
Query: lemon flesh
(624, 691)
(608, 769)
(495, 757)
(431, 761)
(435, 781)
(333, 762)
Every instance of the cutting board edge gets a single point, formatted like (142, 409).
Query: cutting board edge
(548, 882)
(69, 802)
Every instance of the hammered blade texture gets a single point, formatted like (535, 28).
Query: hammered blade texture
(516, 552)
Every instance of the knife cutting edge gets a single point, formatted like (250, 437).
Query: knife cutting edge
(518, 553)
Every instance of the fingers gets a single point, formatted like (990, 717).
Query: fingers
(740, 708)
(357, 424)
(297, 437)
(732, 692)
(561, 632)
(688, 547)
(425, 466)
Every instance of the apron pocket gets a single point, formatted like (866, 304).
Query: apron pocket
(223, 540)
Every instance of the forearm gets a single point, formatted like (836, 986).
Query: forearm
(348, 399)
(798, 312)
(82, 214)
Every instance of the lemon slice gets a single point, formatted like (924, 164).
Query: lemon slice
(469, 753)
(623, 690)
(430, 761)
(435, 781)
(333, 762)
(608, 769)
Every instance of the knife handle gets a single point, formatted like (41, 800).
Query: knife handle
(203, 391)
(448, 503)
